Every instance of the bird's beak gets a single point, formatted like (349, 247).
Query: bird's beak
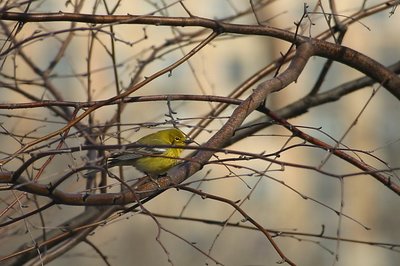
(188, 141)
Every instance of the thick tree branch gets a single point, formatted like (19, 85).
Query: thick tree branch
(332, 51)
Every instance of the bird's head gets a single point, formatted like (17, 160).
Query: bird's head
(176, 137)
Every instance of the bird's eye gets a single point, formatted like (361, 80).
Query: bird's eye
(177, 138)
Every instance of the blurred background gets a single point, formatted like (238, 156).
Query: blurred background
(90, 65)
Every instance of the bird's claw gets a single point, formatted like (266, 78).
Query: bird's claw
(155, 181)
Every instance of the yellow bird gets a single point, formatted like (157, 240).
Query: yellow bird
(152, 160)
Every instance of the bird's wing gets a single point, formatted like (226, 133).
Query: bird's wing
(150, 149)
(135, 153)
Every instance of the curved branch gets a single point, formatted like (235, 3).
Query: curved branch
(332, 51)
(303, 53)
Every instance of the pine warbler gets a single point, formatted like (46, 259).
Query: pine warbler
(152, 161)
